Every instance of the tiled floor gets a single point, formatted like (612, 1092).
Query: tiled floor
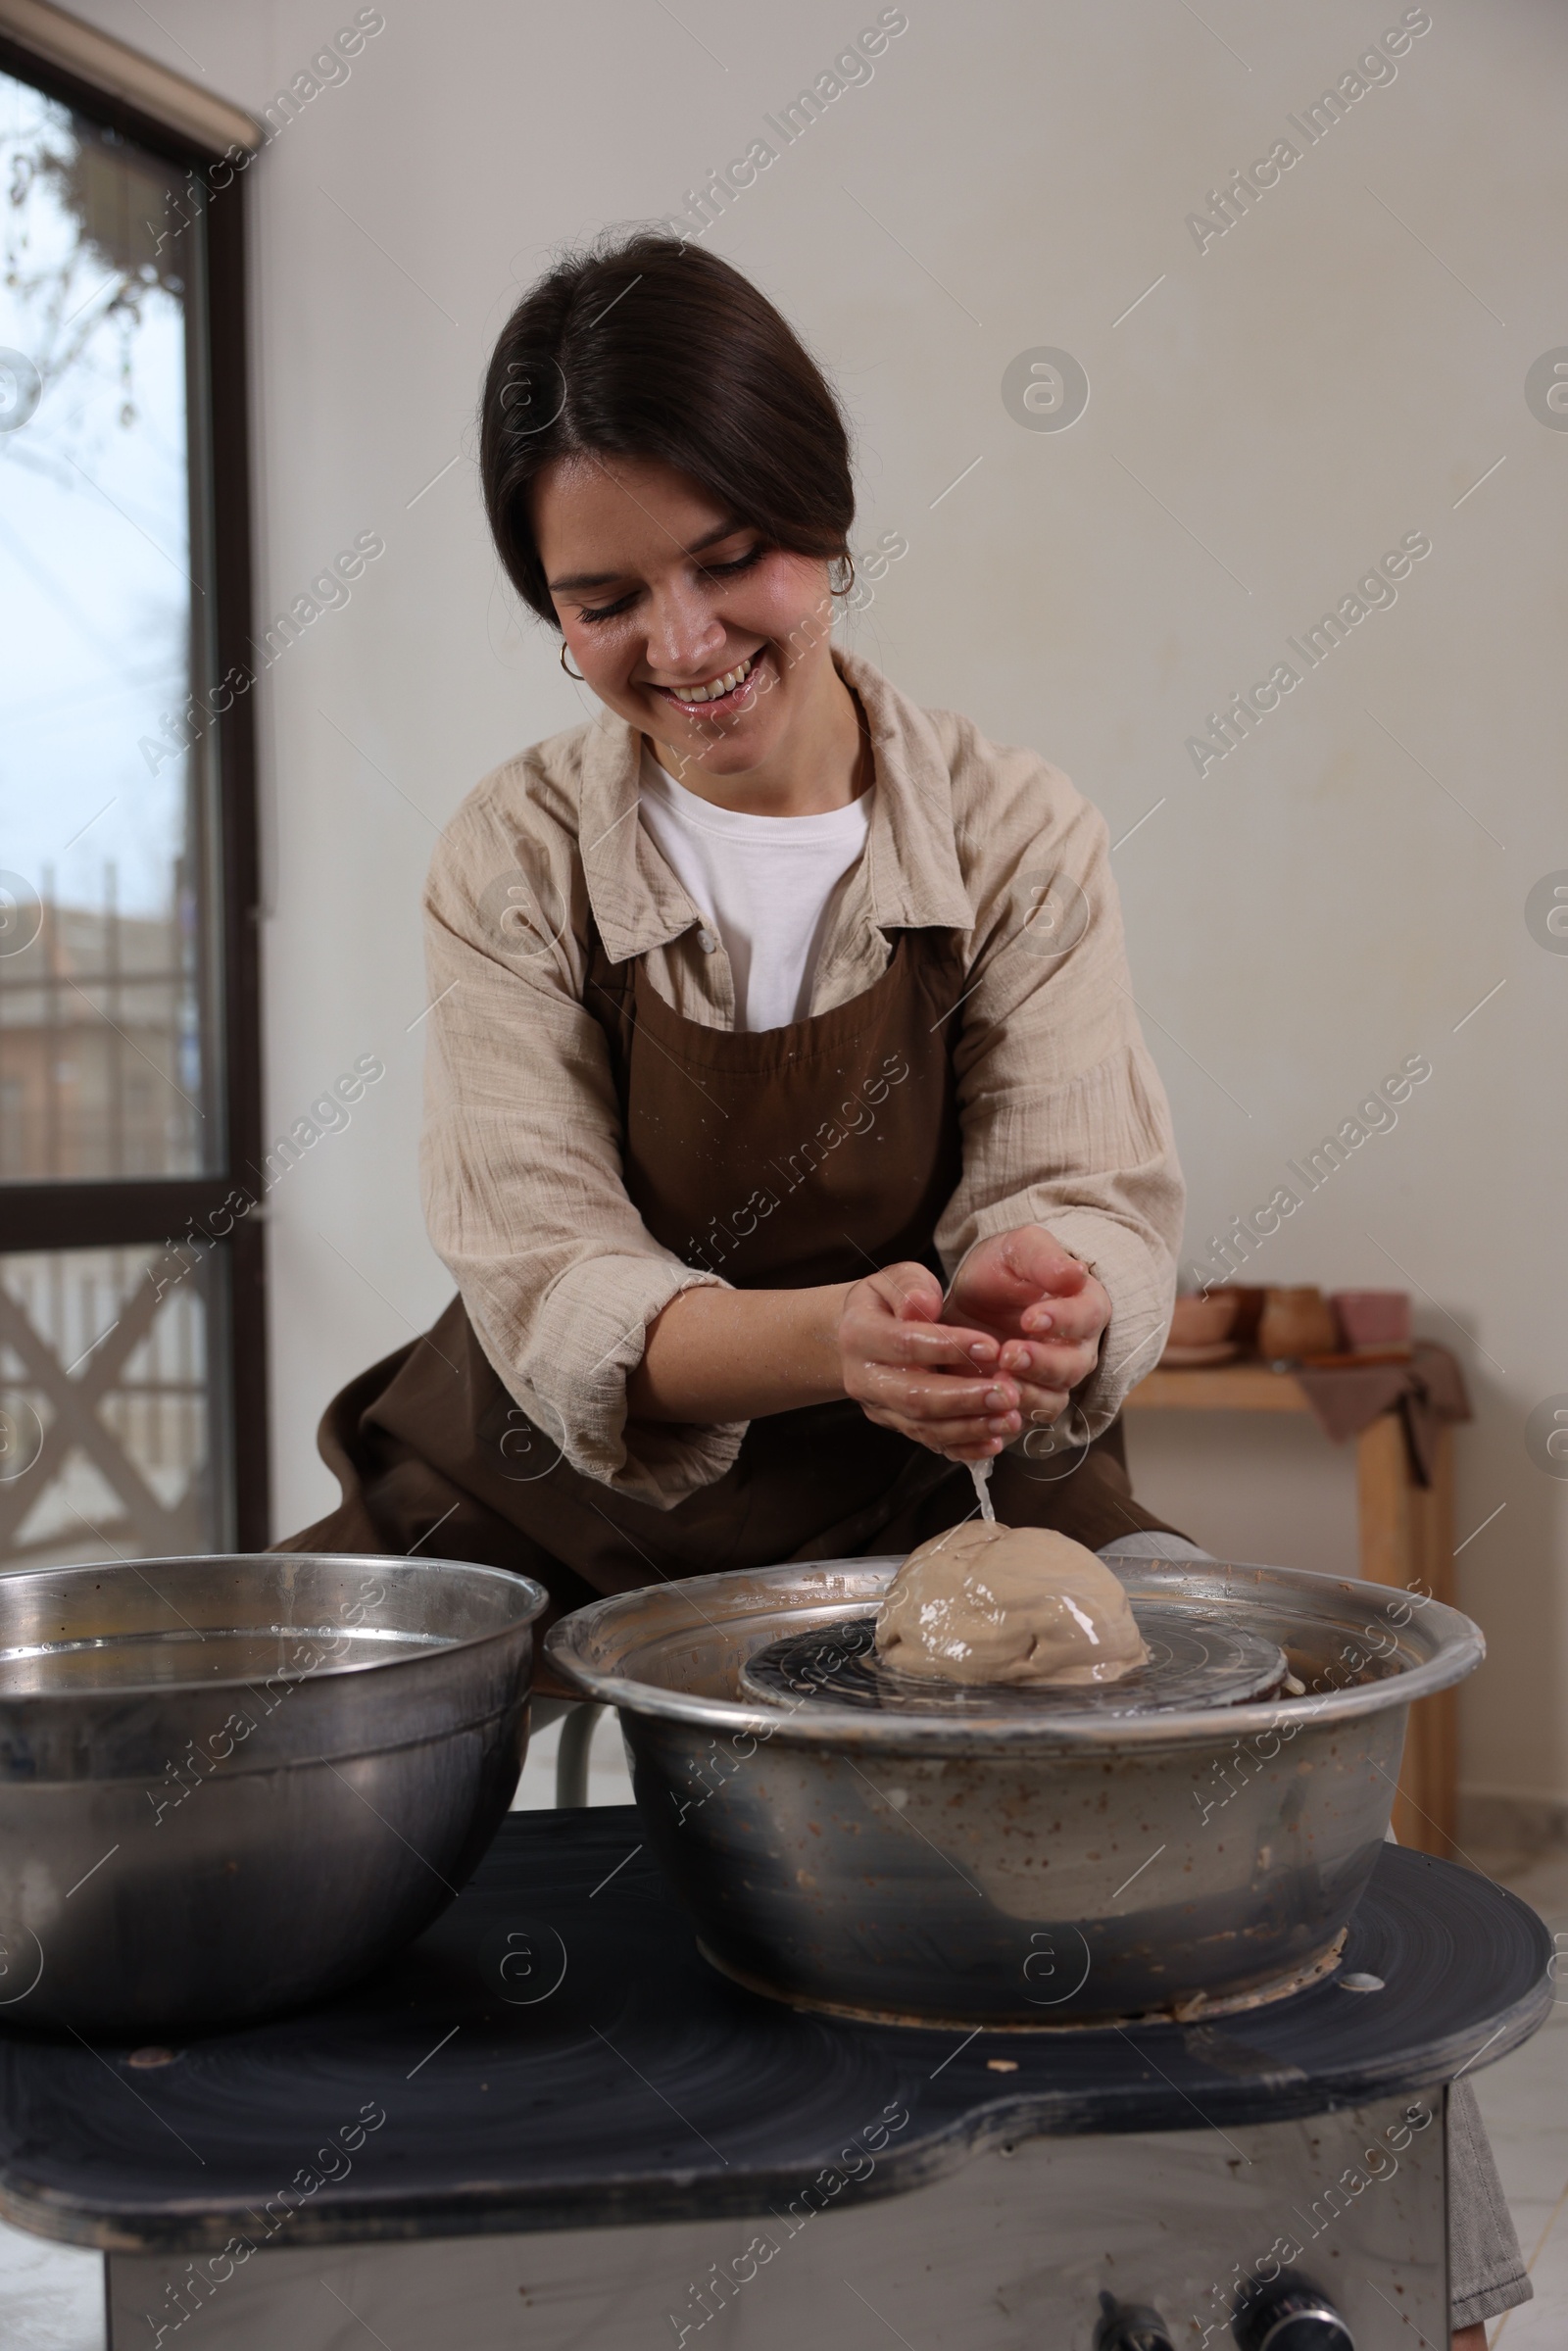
(1524, 2100)
(51, 2296)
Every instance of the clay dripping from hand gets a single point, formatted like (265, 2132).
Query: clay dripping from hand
(986, 1603)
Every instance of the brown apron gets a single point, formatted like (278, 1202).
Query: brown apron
(780, 1158)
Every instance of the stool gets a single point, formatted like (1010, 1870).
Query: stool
(579, 1722)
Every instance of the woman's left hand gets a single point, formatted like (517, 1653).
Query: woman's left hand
(1048, 1312)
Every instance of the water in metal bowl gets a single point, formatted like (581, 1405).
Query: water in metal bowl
(1017, 1857)
(167, 1660)
(231, 1784)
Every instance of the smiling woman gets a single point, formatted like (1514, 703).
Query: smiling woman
(769, 970)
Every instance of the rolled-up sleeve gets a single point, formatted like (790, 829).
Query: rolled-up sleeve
(520, 1160)
(1065, 1122)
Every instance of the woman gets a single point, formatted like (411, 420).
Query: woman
(790, 1135)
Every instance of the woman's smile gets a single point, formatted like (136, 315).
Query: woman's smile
(726, 690)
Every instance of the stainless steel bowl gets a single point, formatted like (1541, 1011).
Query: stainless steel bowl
(231, 1784)
(1027, 1870)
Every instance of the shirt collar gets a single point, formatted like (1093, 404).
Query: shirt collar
(911, 858)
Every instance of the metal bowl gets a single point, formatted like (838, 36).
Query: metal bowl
(1023, 1868)
(231, 1784)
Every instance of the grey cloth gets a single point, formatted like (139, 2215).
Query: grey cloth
(1486, 2267)
(1151, 1543)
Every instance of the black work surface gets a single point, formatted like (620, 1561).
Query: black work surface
(646, 2086)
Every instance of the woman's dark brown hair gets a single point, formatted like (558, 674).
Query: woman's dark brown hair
(648, 346)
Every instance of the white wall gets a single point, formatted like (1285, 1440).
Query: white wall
(1337, 370)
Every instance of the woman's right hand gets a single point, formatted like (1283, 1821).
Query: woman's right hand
(932, 1381)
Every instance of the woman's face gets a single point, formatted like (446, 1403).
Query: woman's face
(663, 596)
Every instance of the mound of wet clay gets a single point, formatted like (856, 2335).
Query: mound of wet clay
(991, 1603)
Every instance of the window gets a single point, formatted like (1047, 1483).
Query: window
(132, 1334)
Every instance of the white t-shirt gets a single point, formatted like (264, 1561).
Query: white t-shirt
(764, 882)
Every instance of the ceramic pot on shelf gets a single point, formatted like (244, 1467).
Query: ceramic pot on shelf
(1296, 1322)
(1374, 1321)
(1199, 1321)
(1246, 1315)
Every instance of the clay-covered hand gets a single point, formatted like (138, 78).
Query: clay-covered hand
(1046, 1310)
(910, 1369)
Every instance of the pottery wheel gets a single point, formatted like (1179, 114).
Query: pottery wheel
(540, 2116)
(1194, 1660)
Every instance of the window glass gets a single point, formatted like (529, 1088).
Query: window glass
(108, 973)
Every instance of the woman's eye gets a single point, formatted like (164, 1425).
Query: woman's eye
(713, 572)
(623, 603)
(741, 562)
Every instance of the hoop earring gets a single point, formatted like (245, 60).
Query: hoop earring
(848, 586)
(566, 666)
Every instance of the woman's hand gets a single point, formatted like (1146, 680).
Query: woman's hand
(1020, 1329)
(929, 1378)
(1047, 1313)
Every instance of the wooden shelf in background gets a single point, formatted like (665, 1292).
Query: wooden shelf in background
(1407, 1538)
(1219, 1388)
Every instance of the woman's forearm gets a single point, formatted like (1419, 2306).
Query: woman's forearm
(738, 1354)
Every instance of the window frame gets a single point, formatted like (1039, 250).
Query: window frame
(70, 1214)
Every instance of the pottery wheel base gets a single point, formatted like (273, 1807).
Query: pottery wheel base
(1193, 2008)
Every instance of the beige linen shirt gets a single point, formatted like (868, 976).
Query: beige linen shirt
(1064, 1120)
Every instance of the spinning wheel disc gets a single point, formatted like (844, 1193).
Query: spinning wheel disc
(1194, 1659)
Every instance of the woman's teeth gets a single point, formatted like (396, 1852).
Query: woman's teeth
(720, 685)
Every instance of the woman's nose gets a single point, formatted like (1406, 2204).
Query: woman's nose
(683, 636)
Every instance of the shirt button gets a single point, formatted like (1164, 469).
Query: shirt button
(706, 942)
